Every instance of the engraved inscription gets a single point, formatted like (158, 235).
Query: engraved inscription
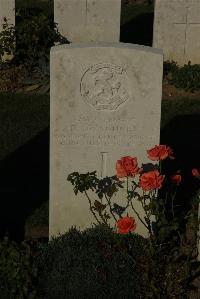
(104, 86)
(85, 131)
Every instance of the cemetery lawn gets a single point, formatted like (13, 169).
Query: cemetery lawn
(24, 116)
(177, 107)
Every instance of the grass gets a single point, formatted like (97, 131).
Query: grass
(170, 110)
(22, 117)
(40, 216)
(174, 108)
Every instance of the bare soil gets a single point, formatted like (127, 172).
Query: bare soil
(170, 92)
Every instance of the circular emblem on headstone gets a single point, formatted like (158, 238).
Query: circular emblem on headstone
(104, 86)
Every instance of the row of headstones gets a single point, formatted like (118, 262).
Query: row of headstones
(105, 99)
(176, 24)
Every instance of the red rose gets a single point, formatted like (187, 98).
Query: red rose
(127, 166)
(160, 152)
(126, 224)
(151, 180)
(195, 172)
(176, 179)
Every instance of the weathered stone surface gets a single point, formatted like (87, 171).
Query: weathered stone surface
(105, 104)
(7, 10)
(177, 30)
(88, 20)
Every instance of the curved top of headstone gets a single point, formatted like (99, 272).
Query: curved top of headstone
(108, 45)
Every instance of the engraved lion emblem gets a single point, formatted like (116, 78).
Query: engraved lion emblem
(104, 86)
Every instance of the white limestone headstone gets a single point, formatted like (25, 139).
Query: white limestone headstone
(177, 30)
(88, 20)
(7, 10)
(105, 104)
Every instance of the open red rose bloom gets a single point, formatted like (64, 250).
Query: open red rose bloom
(126, 224)
(151, 180)
(127, 166)
(160, 152)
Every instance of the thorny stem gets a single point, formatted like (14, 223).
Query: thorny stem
(102, 217)
(127, 184)
(148, 221)
(172, 205)
(155, 196)
(138, 215)
(109, 203)
(129, 200)
(91, 209)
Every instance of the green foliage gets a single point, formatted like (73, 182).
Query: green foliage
(17, 273)
(186, 77)
(108, 186)
(7, 40)
(34, 35)
(95, 263)
(170, 264)
(169, 67)
(83, 182)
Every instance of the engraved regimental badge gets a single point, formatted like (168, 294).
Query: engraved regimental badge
(104, 86)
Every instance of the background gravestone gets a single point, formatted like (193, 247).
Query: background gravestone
(105, 104)
(88, 20)
(176, 30)
(7, 10)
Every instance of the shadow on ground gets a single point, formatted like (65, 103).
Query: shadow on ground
(24, 184)
(139, 30)
(182, 133)
(24, 175)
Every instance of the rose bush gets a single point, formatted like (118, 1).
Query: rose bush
(148, 180)
(168, 268)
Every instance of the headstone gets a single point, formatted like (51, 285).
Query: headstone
(7, 10)
(105, 104)
(176, 30)
(88, 20)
